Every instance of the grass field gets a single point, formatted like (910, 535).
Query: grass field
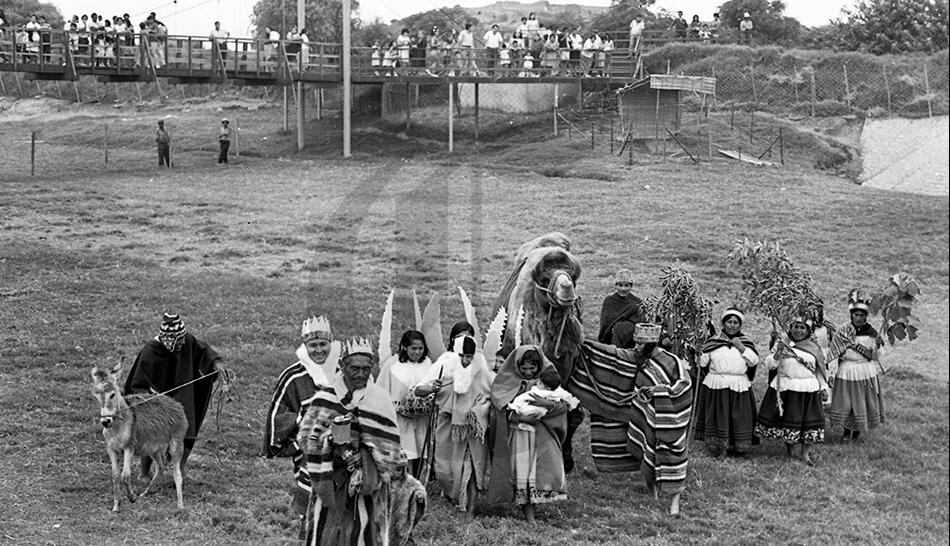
(89, 260)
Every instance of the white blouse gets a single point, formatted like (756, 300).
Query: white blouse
(792, 374)
(727, 368)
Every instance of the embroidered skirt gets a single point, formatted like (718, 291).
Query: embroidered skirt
(802, 420)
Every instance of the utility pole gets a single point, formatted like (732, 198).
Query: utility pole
(347, 84)
(280, 46)
(301, 98)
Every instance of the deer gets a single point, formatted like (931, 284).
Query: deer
(138, 425)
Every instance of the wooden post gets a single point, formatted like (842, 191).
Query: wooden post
(656, 122)
(794, 82)
(887, 87)
(709, 132)
(286, 109)
(76, 89)
(237, 137)
(781, 146)
(592, 135)
(667, 66)
(630, 151)
(732, 117)
(319, 97)
(555, 109)
(32, 153)
(476, 115)
(755, 94)
(347, 82)
(751, 125)
(611, 137)
(3, 86)
(813, 99)
(930, 108)
(16, 76)
(451, 114)
(847, 87)
(408, 103)
(105, 142)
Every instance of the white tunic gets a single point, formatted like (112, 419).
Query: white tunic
(852, 366)
(727, 368)
(792, 374)
(398, 380)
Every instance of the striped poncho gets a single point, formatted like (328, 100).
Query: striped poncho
(349, 506)
(625, 433)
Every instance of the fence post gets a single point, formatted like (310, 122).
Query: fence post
(611, 137)
(709, 131)
(105, 142)
(592, 135)
(32, 153)
(795, 82)
(847, 87)
(555, 108)
(751, 125)
(732, 117)
(930, 109)
(813, 92)
(887, 87)
(781, 145)
(237, 138)
(755, 94)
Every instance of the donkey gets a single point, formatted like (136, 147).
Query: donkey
(140, 425)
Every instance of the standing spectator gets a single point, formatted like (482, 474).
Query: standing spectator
(402, 45)
(745, 29)
(531, 30)
(679, 26)
(714, 28)
(292, 45)
(224, 140)
(694, 27)
(433, 51)
(466, 44)
(504, 59)
(417, 51)
(588, 53)
(304, 47)
(220, 38)
(704, 34)
(549, 56)
(523, 32)
(576, 40)
(163, 141)
(609, 49)
(636, 32)
(376, 57)
(493, 40)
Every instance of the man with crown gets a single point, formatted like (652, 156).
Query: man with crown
(317, 361)
(182, 366)
(857, 401)
(361, 492)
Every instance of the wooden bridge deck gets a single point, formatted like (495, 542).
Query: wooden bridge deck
(59, 55)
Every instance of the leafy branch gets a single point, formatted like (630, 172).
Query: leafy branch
(683, 311)
(773, 285)
(894, 303)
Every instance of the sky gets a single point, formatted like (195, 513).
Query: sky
(195, 17)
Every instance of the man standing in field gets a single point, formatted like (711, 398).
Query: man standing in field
(224, 141)
(745, 29)
(636, 31)
(180, 365)
(220, 38)
(163, 141)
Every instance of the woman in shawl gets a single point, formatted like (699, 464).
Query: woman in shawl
(857, 402)
(462, 383)
(792, 408)
(725, 412)
(398, 376)
(527, 467)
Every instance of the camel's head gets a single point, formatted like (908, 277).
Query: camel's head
(554, 276)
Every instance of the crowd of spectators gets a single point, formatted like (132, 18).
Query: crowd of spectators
(93, 40)
(532, 49)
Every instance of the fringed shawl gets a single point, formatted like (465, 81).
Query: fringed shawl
(724, 340)
(468, 410)
(843, 339)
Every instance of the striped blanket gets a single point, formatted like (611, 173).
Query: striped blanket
(625, 433)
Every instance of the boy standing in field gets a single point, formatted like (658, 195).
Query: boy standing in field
(163, 141)
(224, 141)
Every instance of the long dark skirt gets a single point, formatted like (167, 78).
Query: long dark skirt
(726, 419)
(802, 420)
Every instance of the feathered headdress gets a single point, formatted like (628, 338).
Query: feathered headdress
(856, 302)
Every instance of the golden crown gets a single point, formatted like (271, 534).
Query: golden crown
(647, 333)
(360, 345)
(315, 327)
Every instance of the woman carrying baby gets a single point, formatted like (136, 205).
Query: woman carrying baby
(530, 424)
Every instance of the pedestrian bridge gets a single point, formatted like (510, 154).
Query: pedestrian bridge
(125, 57)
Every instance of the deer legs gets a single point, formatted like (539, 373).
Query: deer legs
(121, 477)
